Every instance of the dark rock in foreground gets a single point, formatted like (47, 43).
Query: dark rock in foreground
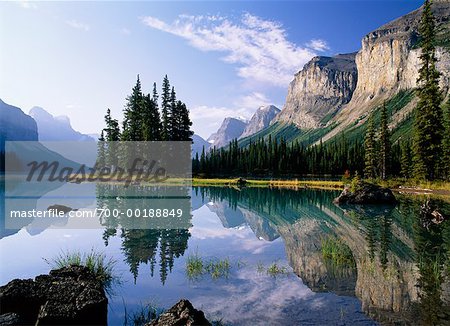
(366, 193)
(182, 313)
(67, 296)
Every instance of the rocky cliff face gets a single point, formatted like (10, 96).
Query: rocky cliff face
(319, 90)
(389, 62)
(15, 125)
(230, 129)
(260, 120)
(346, 88)
(55, 128)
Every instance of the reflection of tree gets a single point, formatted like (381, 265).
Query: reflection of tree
(385, 238)
(377, 223)
(145, 245)
(431, 248)
(269, 200)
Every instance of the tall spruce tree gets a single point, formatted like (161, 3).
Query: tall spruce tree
(428, 127)
(370, 150)
(132, 122)
(151, 121)
(165, 109)
(112, 130)
(174, 125)
(445, 162)
(385, 144)
(185, 122)
(406, 161)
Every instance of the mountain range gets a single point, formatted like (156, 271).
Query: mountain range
(55, 128)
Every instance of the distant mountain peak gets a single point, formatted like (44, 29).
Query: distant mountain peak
(230, 129)
(262, 118)
(51, 128)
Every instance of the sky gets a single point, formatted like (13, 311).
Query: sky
(225, 59)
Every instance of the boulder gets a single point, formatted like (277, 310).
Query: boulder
(182, 313)
(366, 193)
(68, 296)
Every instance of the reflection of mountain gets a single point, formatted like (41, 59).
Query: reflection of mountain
(237, 216)
(399, 263)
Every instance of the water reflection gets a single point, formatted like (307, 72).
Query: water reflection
(397, 266)
(401, 265)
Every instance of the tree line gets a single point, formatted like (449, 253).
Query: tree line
(147, 120)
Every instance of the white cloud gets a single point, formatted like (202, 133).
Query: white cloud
(78, 25)
(259, 47)
(318, 45)
(27, 4)
(252, 101)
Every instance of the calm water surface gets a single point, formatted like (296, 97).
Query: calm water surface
(387, 267)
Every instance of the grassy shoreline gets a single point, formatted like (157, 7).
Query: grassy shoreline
(394, 184)
(320, 184)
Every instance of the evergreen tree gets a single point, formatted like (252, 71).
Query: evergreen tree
(445, 161)
(385, 144)
(370, 151)
(151, 121)
(406, 161)
(101, 151)
(111, 136)
(165, 109)
(112, 130)
(428, 114)
(132, 122)
(174, 125)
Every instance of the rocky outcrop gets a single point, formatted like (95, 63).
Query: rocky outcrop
(15, 125)
(366, 193)
(260, 120)
(56, 128)
(230, 129)
(182, 313)
(319, 90)
(67, 296)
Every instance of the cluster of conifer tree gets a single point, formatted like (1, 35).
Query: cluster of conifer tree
(274, 157)
(143, 120)
(377, 149)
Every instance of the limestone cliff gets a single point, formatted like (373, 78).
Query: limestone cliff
(319, 90)
(341, 90)
(389, 62)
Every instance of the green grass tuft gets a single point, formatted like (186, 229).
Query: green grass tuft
(337, 252)
(101, 266)
(197, 266)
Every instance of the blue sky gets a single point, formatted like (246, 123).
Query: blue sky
(224, 58)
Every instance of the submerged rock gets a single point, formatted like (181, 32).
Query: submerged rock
(61, 208)
(366, 193)
(182, 313)
(67, 296)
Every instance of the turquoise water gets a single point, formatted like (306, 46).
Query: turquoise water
(384, 251)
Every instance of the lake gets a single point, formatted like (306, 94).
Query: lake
(292, 258)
